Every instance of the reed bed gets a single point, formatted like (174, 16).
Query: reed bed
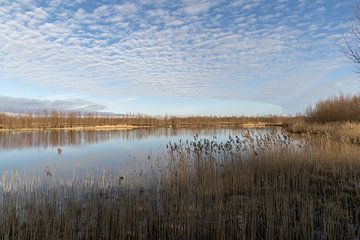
(254, 186)
(348, 132)
(66, 120)
(336, 109)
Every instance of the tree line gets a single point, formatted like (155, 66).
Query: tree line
(57, 119)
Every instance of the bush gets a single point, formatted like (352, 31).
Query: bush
(342, 108)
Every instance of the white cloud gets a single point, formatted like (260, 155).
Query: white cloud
(132, 50)
(126, 8)
(198, 7)
(11, 104)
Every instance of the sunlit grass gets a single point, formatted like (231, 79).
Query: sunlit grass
(336, 109)
(93, 121)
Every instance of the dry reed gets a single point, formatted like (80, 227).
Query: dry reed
(342, 109)
(64, 120)
(267, 186)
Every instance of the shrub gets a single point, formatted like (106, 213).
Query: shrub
(342, 108)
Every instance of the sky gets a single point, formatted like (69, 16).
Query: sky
(180, 57)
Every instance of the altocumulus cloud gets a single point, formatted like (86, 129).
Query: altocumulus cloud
(11, 104)
(178, 48)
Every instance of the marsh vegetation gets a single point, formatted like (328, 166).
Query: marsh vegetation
(336, 109)
(337, 118)
(257, 184)
(73, 120)
(252, 186)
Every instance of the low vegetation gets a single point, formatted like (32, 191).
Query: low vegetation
(338, 131)
(337, 118)
(63, 120)
(336, 109)
(267, 186)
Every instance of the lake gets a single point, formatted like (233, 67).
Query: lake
(32, 153)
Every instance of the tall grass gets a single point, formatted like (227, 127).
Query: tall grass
(266, 186)
(342, 108)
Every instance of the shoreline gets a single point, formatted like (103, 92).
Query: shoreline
(343, 132)
(131, 127)
(77, 128)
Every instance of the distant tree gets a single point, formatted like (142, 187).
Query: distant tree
(351, 49)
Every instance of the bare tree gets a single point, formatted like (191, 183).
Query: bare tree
(351, 49)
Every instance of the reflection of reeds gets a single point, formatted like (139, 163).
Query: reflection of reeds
(248, 187)
(50, 139)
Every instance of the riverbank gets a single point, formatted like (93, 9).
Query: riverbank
(130, 127)
(58, 120)
(247, 125)
(77, 128)
(339, 131)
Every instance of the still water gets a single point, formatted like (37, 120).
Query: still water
(31, 153)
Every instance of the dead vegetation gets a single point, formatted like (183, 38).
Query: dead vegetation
(337, 118)
(336, 109)
(267, 186)
(73, 120)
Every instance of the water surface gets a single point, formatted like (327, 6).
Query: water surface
(31, 153)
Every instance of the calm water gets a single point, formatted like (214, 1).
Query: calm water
(30, 153)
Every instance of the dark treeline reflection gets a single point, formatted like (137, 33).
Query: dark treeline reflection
(46, 139)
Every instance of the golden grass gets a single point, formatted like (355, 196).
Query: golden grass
(338, 131)
(72, 120)
(266, 186)
(337, 118)
(336, 109)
